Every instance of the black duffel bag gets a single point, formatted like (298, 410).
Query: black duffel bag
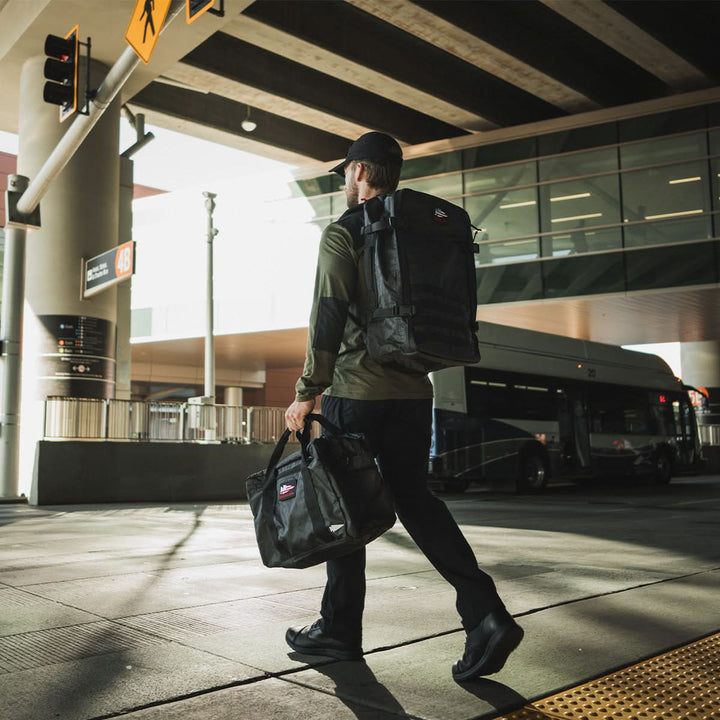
(324, 501)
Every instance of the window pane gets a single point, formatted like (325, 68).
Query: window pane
(668, 231)
(321, 206)
(635, 414)
(566, 277)
(338, 204)
(506, 214)
(606, 409)
(578, 139)
(584, 163)
(533, 402)
(581, 241)
(714, 136)
(477, 181)
(580, 203)
(509, 251)
(316, 186)
(444, 186)
(665, 123)
(508, 283)
(489, 399)
(715, 184)
(674, 191)
(431, 165)
(664, 150)
(671, 266)
(499, 153)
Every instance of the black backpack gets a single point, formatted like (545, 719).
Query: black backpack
(420, 272)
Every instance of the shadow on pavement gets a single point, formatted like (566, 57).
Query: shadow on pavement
(99, 678)
(501, 697)
(361, 692)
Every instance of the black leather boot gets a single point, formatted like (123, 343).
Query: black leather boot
(310, 640)
(488, 646)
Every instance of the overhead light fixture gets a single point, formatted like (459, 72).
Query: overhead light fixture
(684, 180)
(247, 124)
(570, 197)
(517, 204)
(576, 217)
(674, 214)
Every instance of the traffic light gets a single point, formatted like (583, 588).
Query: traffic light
(195, 8)
(61, 69)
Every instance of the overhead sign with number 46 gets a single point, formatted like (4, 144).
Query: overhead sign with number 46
(109, 268)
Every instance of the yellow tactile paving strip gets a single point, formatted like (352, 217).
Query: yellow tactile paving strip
(683, 684)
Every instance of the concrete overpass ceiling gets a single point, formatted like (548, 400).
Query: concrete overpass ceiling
(240, 61)
(541, 37)
(687, 28)
(317, 73)
(426, 70)
(678, 314)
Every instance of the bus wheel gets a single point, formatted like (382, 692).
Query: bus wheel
(532, 472)
(662, 470)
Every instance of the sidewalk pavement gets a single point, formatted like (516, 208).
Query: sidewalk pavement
(165, 611)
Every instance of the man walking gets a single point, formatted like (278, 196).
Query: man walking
(393, 409)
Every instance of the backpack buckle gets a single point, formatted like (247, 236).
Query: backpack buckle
(395, 311)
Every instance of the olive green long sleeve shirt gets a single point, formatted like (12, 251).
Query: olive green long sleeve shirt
(336, 360)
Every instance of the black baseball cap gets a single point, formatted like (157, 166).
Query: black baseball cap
(371, 146)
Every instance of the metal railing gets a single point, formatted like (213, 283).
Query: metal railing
(709, 434)
(97, 419)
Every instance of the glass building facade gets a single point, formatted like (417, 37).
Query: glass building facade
(622, 206)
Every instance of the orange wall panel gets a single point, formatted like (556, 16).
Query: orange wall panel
(280, 386)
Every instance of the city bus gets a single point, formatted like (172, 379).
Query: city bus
(542, 408)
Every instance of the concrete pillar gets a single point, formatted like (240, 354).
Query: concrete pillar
(123, 348)
(234, 396)
(700, 364)
(68, 342)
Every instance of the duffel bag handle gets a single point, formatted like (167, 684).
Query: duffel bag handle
(303, 438)
(276, 455)
(327, 424)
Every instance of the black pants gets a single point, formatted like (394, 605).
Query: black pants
(399, 433)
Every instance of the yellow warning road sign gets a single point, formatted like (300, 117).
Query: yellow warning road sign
(145, 25)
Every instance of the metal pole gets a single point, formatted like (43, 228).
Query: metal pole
(209, 322)
(11, 322)
(82, 125)
(13, 293)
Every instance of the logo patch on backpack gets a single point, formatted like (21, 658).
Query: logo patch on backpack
(286, 491)
(440, 216)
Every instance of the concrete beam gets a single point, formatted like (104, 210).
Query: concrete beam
(236, 60)
(316, 57)
(468, 47)
(616, 31)
(193, 374)
(226, 115)
(257, 98)
(363, 38)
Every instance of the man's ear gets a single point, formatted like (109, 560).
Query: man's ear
(360, 172)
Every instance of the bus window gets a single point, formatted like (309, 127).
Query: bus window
(607, 411)
(618, 410)
(509, 400)
(635, 418)
(678, 421)
(488, 399)
(662, 421)
(534, 402)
